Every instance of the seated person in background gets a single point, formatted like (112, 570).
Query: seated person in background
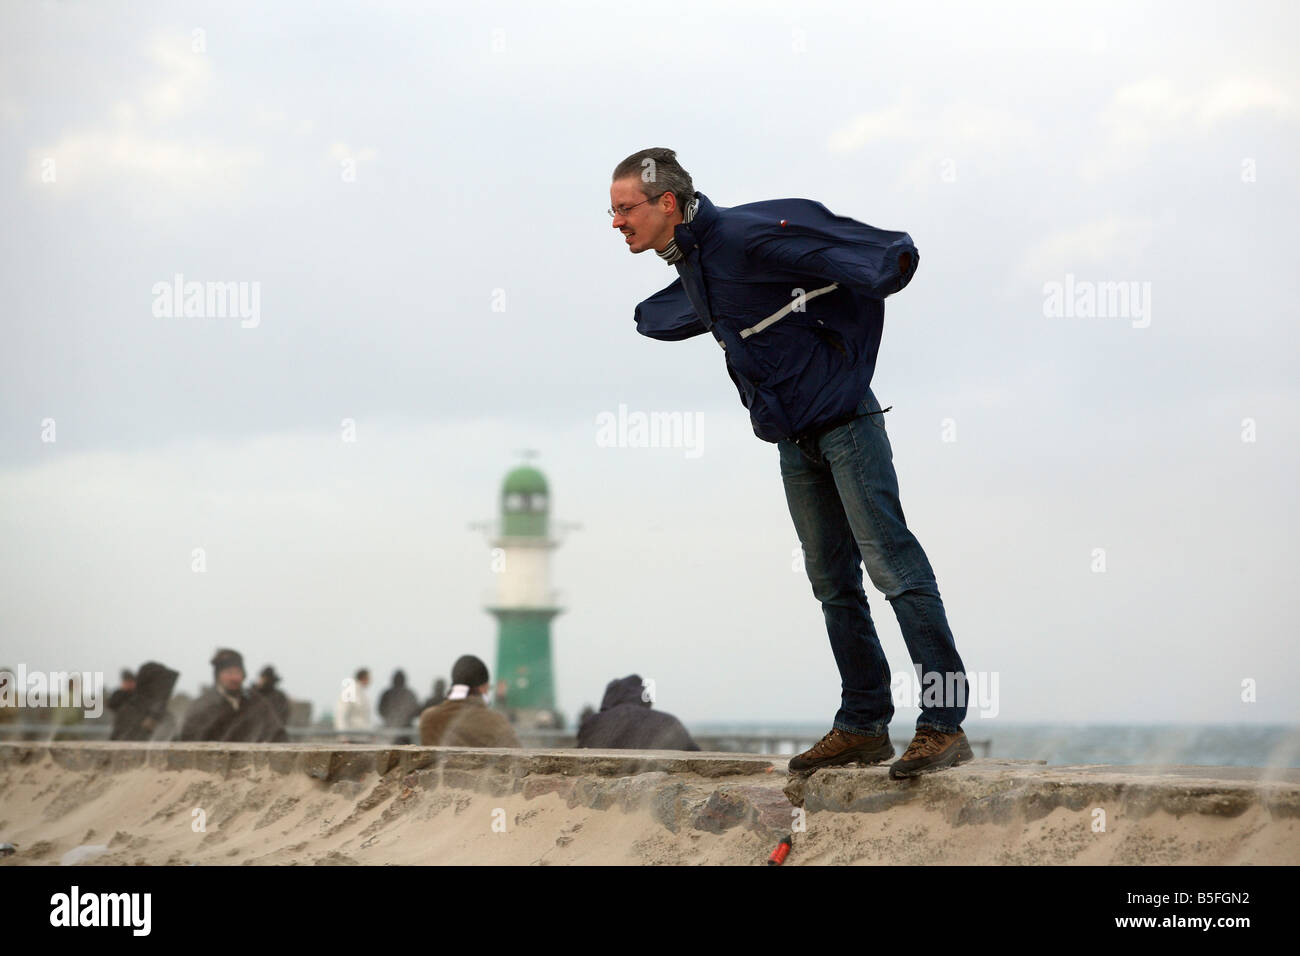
(464, 718)
(626, 722)
(226, 712)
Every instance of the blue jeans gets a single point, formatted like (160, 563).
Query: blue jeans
(843, 497)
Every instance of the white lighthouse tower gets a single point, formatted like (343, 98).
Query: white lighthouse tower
(525, 603)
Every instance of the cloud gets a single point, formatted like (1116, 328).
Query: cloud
(182, 80)
(1109, 240)
(892, 124)
(267, 117)
(139, 136)
(264, 115)
(342, 151)
(1237, 95)
(82, 159)
(946, 139)
(1155, 110)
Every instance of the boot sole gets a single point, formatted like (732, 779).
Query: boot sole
(866, 759)
(961, 754)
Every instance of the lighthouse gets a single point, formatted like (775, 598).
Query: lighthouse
(524, 603)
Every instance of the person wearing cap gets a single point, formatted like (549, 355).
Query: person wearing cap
(227, 712)
(266, 687)
(464, 718)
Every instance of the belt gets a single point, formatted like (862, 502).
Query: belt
(822, 429)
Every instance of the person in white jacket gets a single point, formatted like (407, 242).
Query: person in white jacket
(353, 711)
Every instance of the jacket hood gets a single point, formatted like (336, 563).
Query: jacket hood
(624, 690)
(154, 683)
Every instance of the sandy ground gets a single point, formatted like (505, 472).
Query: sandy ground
(152, 816)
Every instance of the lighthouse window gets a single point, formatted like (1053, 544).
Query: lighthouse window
(515, 501)
(539, 502)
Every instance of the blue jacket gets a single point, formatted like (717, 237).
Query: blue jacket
(794, 295)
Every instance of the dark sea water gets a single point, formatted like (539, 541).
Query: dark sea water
(1215, 745)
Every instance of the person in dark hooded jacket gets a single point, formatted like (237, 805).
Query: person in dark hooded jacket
(141, 713)
(627, 721)
(398, 706)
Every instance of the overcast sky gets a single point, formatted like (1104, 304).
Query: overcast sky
(418, 194)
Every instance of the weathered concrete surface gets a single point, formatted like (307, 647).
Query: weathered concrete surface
(993, 790)
(330, 762)
(342, 803)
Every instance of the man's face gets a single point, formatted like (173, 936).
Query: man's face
(231, 678)
(648, 225)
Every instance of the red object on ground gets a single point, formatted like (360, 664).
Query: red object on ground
(780, 853)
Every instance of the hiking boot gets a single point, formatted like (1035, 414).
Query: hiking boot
(840, 747)
(932, 750)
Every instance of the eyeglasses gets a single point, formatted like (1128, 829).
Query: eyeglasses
(624, 210)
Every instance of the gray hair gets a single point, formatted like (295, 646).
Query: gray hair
(659, 172)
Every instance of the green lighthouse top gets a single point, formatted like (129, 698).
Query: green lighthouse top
(525, 503)
(526, 480)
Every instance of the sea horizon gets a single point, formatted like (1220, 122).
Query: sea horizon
(1062, 743)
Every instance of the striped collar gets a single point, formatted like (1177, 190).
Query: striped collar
(671, 253)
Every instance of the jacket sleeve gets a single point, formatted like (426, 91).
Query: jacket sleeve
(877, 262)
(668, 315)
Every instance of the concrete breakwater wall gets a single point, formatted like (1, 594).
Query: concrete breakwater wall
(221, 804)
